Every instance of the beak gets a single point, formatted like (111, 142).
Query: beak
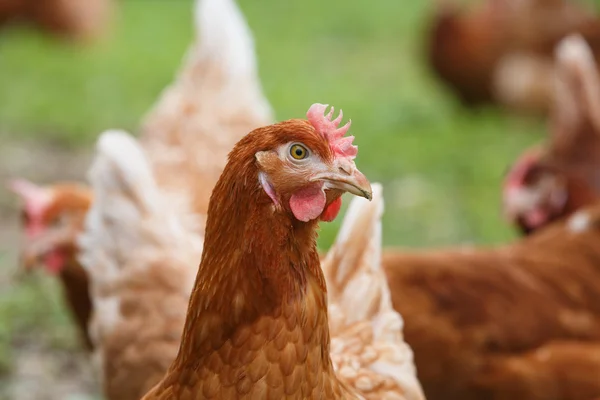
(28, 261)
(346, 177)
(35, 249)
(31, 255)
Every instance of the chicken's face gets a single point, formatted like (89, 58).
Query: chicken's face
(52, 218)
(534, 193)
(307, 173)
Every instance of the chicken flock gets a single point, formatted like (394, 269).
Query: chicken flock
(190, 264)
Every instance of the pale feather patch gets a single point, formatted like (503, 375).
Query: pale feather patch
(577, 67)
(238, 304)
(268, 188)
(520, 80)
(580, 222)
(130, 229)
(225, 35)
(367, 346)
(214, 101)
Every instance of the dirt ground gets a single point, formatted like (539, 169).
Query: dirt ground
(38, 368)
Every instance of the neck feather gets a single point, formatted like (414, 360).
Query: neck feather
(257, 262)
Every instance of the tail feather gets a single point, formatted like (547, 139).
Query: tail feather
(124, 191)
(121, 166)
(220, 66)
(225, 37)
(577, 90)
(367, 344)
(215, 100)
(353, 265)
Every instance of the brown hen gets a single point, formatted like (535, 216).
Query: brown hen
(257, 324)
(53, 217)
(73, 19)
(501, 50)
(519, 322)
(551, 181)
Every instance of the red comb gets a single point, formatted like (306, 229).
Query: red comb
(341, 146)
(521, 168)
(36, 198)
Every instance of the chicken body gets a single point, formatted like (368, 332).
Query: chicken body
(520, 321)
(552, 181)
(53, 217)
(68, 18)
(501, 50)
(269, 336)
(138, 296)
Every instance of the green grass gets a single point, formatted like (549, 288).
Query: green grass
(441, 165)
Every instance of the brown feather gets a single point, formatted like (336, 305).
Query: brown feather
(520, 321)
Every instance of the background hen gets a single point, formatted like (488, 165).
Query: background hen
(553, 180)
(520, 321)
(139, 253)
(68, 18)
(501, 50)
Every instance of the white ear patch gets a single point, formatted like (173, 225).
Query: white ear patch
(268, 188)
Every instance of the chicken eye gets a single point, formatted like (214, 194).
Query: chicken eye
(298, 152)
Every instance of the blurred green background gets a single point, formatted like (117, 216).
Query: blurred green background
(441, 165)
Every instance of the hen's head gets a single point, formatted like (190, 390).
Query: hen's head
(305, 166)
(52, 217)
(534, 192)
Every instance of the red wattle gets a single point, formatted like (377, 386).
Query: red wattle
(332, 210)
(55, 261)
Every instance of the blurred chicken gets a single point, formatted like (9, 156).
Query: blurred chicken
(139, 252)
(215, 100)
(53, 216)
(360, 306)
(69, 18)
(552, 181)
(269, 336)
(465, 46)
(501, 51)
(517, 322)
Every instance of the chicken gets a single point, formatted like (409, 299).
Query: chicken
(137, 251)
(68, 18)
(52, 217)
(552, 181)
(195, 122)
(520, 321)
(269, 336)
(501, 51)
(463, 48)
